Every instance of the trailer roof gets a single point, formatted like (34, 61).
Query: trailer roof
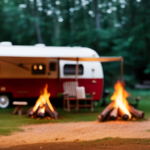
(46, 51)
(63, 53)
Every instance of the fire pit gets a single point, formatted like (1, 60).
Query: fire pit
(43, 107)
(119, 107)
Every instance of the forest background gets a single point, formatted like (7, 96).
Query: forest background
(110, 27)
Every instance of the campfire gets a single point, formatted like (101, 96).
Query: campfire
(43, 107)
(119, 107)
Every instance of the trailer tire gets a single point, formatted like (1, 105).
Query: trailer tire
(4, 101)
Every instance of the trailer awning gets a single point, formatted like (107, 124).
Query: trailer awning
(101, 59)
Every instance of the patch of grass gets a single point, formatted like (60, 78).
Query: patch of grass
(82, 115)
(118, 141)
(11, 123)
(30, 128)
(148, 130)
(7, 130)
(107, 138)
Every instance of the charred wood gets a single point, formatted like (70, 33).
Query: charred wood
(51, 113)
(41, 112)
(30, 112)
(103, 115)
(55, 114)
(135, 112)
(123, 115)
(48, 111)
(114, 114)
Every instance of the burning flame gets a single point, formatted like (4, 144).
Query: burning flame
(43, 99)
(119, 97)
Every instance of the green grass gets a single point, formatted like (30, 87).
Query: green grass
(148, 130)
(11, 123)
(119, 141)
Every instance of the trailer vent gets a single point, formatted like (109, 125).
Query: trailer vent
(52, 66)
(5, 43)
(40, 45)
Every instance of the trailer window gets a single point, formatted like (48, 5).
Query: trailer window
(70, 69)
(38, 69)
(52, 66)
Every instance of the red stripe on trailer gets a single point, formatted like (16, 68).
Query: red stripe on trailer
(28, 88)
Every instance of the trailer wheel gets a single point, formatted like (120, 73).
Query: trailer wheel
(4, 101)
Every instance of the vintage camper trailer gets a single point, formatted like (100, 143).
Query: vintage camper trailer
(24, 70)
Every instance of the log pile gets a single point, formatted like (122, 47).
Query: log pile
(42, 112)
(43, 107)
(119, 107)
(112, 113)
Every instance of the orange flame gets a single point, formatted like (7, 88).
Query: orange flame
(43, 99)
(42, 110)
(119, 96)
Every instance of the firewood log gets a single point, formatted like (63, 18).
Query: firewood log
(48, 111)
(103, 115)
(113, 114)
(51, 113)
(123, 115)
(55, 114)
(41, 112)
(30, 112)
(135, 112)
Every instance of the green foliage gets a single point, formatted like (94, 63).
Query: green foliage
(121, 29)
(147, 70)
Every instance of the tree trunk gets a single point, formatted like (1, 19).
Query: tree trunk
(97, 15)
(133, 13)
(57, 31)
(97, 21)
(37, 26)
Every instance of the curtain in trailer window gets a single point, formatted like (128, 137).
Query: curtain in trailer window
(70, 69)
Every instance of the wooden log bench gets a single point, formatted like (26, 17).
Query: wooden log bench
(19, 109)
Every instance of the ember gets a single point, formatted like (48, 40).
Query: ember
(43, 107)
(119, 106)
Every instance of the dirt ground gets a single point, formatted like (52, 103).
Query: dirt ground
(106, 144)
(71, 136)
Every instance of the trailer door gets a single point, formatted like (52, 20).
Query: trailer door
(53, 77)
